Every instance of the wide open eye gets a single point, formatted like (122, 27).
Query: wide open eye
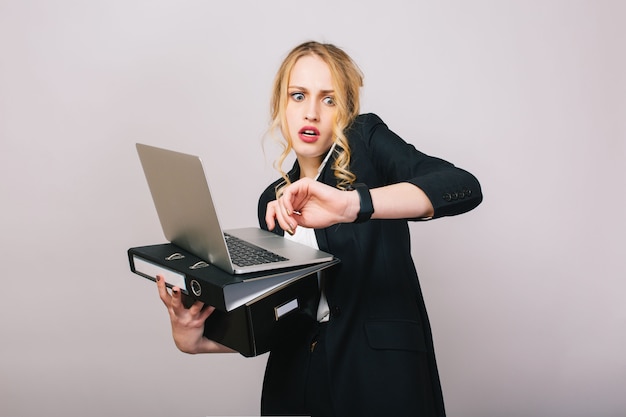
(297, 96)
(329, 101)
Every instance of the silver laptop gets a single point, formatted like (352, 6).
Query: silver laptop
(188, 217)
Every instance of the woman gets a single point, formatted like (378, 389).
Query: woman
(353, 188)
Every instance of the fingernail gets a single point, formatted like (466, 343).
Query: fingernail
(290, 231)
(175, 291)
(158, 278)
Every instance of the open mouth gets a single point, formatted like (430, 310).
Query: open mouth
(309, 134)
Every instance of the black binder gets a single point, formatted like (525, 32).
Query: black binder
(254, 328)
(252, 310)
(208, 283)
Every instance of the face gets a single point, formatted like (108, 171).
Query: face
(310, 110)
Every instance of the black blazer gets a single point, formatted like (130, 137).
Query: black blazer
(380, 350)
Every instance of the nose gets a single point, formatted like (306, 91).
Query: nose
(312, 112)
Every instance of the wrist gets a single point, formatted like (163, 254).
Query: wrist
(365, 204)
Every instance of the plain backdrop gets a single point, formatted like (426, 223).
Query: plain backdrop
(526, 294)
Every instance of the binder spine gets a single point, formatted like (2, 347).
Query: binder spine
(150, 270)
(180, 269)
(200, 290)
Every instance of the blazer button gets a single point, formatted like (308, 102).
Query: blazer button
(455, 196)
(447, 197)
(335, 312)
(467, 192)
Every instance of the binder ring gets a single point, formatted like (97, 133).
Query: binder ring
(199, 265)
(196, 289)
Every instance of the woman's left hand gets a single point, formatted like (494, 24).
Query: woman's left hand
(312, 204)
(188, 323)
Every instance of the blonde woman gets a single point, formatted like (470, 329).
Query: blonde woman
(351, 192)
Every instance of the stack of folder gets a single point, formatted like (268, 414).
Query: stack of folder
(252, 311)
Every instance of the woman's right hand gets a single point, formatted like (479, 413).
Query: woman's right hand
(188, 323)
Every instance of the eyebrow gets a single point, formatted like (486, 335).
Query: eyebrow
(295, 87)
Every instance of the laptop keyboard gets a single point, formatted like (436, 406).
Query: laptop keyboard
(243, 253)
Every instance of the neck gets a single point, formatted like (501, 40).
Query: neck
(309, 167)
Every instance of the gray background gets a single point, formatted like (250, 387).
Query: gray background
(526, 294)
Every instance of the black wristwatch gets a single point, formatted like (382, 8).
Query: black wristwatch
(367, 207)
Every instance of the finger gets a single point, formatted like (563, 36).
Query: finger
(163, 293)
(285, 222)
(206, 313)
(177, 302)
(270, 213)
(196, 308)
(297, 195)
(286, 200)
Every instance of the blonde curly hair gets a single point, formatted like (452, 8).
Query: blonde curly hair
(347, 82)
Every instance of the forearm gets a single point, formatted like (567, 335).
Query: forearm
(205, 346)
(400, 201)
(396, 201)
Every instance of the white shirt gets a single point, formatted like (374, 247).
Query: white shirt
(306, 236)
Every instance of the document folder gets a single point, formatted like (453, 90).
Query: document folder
(252, 310)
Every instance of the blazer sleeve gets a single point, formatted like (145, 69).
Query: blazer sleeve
(450, 189)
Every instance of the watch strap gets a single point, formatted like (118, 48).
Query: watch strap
(367, 207)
